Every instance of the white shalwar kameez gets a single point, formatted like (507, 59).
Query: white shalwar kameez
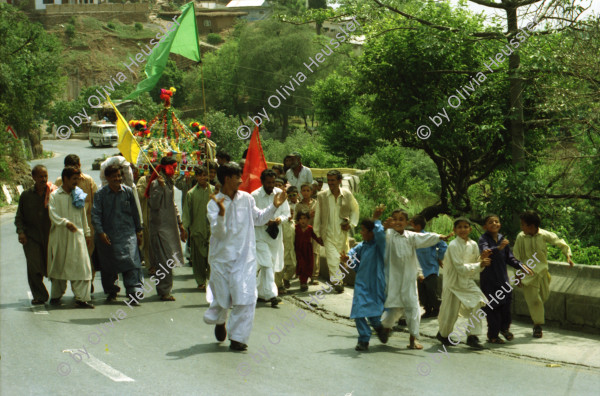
(460, 292)
(232, 257)
(335, 240)
(269, 251)
(401, 271)
(68, 258)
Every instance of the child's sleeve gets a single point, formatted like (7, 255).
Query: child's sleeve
(484, 244)
(553, 239)
(424, 240)
(354, 256)
(441, 249)
(466, 270)
(379, 235)
(511, 260)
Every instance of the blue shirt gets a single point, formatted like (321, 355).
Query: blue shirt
(116, 214)
(369, 285)
(428, 257)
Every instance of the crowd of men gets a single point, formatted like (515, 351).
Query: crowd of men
(242, 247)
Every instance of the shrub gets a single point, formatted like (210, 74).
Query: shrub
(214, 39)
(72, 20)
(111, 26)
(70, 31)
(139, 27)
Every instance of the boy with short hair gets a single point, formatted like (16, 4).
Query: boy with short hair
(369, 285)
(495, 277)
(532, 244)
(430, 259)
(402, 270)
(460, 293)
(195, 220)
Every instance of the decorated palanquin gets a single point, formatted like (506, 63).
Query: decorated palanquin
(166, 135)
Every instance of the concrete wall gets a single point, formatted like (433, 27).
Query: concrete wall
(574, 299)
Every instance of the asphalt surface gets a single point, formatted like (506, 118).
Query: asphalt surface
(164, 348)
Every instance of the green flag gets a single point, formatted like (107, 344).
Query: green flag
(183, 41)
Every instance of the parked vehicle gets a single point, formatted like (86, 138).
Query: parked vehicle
(103, 134)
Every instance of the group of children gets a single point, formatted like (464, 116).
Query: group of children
(392, 263)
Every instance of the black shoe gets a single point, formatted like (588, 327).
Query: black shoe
(304, 287)
(383, 334)
(237, 346)
(221, 332)
(83, 304)
(339, 289)
(37, 302)
(537, 331)
(286, 284)
(362, 346)
(55, 301)
(112, 297)
(274, 301)
(443, 340)
(473, 342)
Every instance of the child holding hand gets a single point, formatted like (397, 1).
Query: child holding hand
(367, 259)
(304, 248)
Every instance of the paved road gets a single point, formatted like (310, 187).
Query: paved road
(164, 348)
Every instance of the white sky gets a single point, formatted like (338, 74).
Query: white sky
(594, 8)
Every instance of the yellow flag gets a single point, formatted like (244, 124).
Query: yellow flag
(127, 144)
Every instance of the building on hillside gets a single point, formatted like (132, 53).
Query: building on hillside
(211, 20)
(257, 9)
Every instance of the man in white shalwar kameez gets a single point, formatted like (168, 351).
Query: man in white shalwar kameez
(269, 251)
(68, 258)
(402, 269)
(460, 293)
(335, 214)
(232, 215)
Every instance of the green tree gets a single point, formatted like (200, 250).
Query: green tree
(29, 73)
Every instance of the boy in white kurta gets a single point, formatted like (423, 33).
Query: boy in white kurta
(232, 255)
(68, 258)
(460, 293)
(402, 270)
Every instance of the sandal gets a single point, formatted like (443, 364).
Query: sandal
(202, 288)
(37, 302)
(496, 341)
(508, 335)
(168, 297)
(537, 331)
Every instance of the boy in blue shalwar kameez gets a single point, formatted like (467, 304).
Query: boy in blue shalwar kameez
(366, 259)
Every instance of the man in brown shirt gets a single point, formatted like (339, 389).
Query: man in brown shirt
(33, 227)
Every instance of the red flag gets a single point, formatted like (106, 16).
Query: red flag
(255, 164)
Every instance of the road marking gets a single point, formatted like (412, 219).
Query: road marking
(103, 368)
(37, 309)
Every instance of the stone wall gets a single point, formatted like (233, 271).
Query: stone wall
(61, 13)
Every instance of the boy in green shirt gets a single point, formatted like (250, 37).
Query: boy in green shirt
(531, 249)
